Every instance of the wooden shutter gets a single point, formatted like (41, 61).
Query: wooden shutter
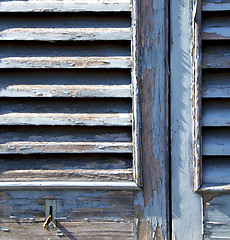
(68, 95)
(215, 92)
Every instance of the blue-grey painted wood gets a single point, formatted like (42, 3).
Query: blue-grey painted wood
(216, 216)
(152, 203)
(186, 204)
(215, 5)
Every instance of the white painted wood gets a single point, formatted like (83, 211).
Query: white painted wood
(65, 34)
(76, 91)
(186, 204)
(70, 185)
(78, 119)
(65, 6)
(66, 62)
(65, 147)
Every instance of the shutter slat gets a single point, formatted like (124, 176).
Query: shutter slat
(216, 142)
(215, 5)
(65, 147)
(66, 6)
(75, 91)
(105, 119)
(216, 33)
(216, 113)
(66, 62)
(63, 34)
(216, 56)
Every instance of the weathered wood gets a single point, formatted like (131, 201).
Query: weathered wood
(80, 214)
(216, 217)
(216, 55)
(186, 204)
(66, 147)
(66, 6)
(216, 26)
(216, 142)
(151, 204)
(121, 185)
(83, 119)
(79, 230)
(66, 62)
(67, 175)
(216, 170)
(216, 113)
(64, 34)
(215, 5)
(76, 91)
(64, 134)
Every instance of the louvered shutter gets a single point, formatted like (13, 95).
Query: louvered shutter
(216, 95)
(68, 93)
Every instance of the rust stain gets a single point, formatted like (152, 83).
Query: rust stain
(152, 173)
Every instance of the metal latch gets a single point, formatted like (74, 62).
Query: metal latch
(51, 212)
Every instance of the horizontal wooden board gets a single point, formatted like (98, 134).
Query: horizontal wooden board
(83, 119)
(75, 91)
(64, 34)
(66, 6)
(216, 84)
(215, 5)
(216, 113)
(80, 214)
(67, 175)
(216, 26)
(63, 77)
(66, 62)
(64, 134)
(65, 105)
(66, 147)
(67, 20)
(79, 231)
(216, 217)
(216, 170)
(216, 141)
(216, 55)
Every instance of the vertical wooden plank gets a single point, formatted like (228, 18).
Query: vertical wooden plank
(186, 204)
(151, 204)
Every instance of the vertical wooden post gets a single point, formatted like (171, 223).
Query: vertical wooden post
(152, 204)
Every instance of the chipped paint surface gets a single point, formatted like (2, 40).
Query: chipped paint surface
(151, 204)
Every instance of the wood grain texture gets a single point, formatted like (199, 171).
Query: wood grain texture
(186, 204)
(64, 34)
(66, 147)
(80, 214)
(63, 6)
(216, 55)
(151, 204)
(216, 217)
(66, 62)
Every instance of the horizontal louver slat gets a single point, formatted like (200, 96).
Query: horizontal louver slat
(63, 34)
(65, 6)
(105, 119)
(66, 62)
(75, 91)
(66, 147)
(215, 5)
